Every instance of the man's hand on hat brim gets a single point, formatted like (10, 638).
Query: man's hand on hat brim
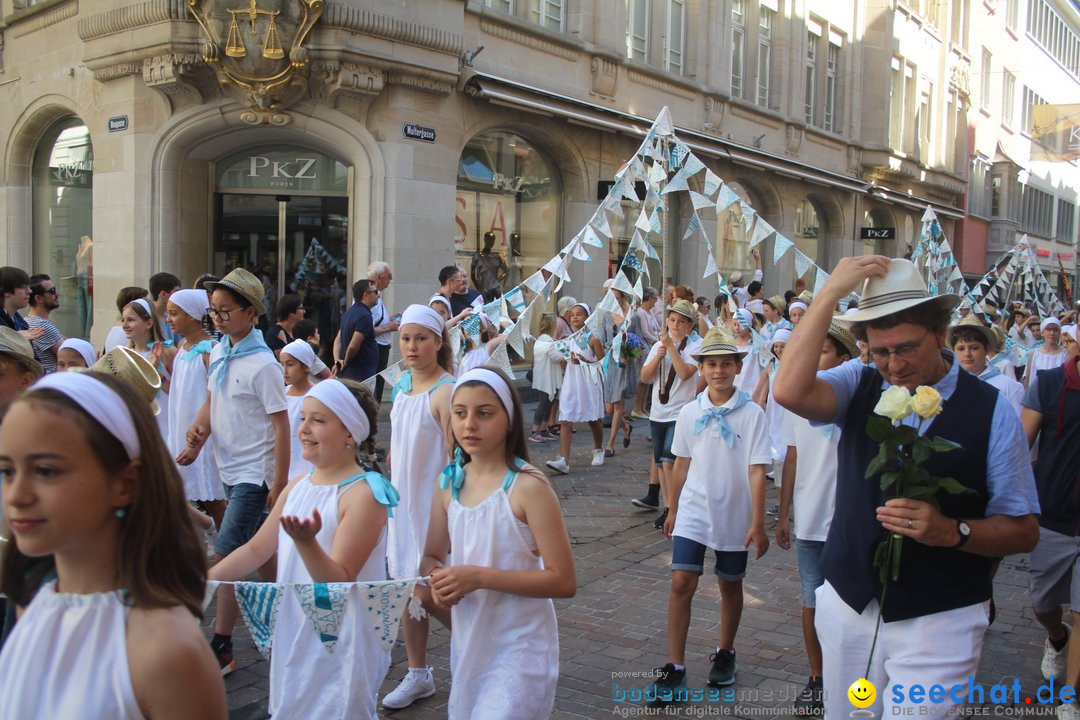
(850, 273)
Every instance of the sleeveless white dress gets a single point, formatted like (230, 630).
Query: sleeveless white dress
(1046, 361)
(504, 649)
(747, 379)
(187, 395)
(582, 396)
(67, 658)
(418, 453)
(297, 463)
(306, 680)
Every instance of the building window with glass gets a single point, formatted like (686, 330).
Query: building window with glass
(637, 29)
(808, 230)
(506, 6)
(548, 14)
(738, 32)
(507, 205)
(1066, 222)
(676, 22)
(832, 64)
(810, 96)
(979, 187)
(764, 56)
(984, 81)
(62, 201)
(1008, 98)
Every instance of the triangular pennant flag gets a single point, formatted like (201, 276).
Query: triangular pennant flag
(748, 214)
(392, 373)
(515, 340)
(695, 221)
(678, 154)
(928, 214)
(692, 166)
(780, 246)
(595, 322)
(500, 360)
(699, 200)
(654, 221)
(591, 237)
(639, 291)
(677, 183)
(545, 291)
(725, 199)
(631, 260)
(516, 298)
(535, 282)
(384, 604)
(580, 253)
(259, 603)
(652, 197)
(628, 190)
(494, 309)
(212, 585)
(324, 606)
(662, 123)
(802, 263)
(762, 230)
(608, 303)
(819, 280)
(710, 266)
(557, 266)
(623, 283)
(600, 222)
(613, 201)
(657, 174)
(650, 251)
(712, 183)
(369, 384)
(642, 222)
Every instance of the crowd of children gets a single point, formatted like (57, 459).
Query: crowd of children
(279, 455)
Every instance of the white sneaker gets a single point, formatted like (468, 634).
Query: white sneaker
(416, 685)
(597, 458)
(559, 465)
(1068, 712)
(1054, 661)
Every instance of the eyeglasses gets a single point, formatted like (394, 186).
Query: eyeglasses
(52, 291)
(222, 315)
(903, 352)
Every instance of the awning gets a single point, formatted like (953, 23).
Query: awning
(502, 91)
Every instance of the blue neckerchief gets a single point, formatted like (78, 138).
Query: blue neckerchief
(716, 414)
(827, 430)
(403, 385)
(250, 345)
(384, 492)
(198, 348)
(988, 373)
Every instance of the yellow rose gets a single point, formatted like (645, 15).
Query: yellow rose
(895, 404)
(927, 402)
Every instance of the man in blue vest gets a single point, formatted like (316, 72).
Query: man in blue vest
(926, 627)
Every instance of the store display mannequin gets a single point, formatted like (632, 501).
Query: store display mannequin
(84, 276)
(488, 270)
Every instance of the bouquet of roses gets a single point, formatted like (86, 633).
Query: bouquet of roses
(900, 460)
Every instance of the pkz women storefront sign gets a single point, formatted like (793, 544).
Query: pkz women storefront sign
(282, 168)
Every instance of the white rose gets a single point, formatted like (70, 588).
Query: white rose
(895, 404)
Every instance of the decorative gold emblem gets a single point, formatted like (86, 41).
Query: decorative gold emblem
(244, 45)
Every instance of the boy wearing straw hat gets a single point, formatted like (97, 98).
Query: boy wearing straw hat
(809, 478)
(972, 342)
(928, 627)
(248, 413)
(717, 502)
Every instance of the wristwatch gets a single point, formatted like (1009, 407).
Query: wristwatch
(965, 532)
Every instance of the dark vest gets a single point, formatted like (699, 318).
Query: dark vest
(931, 579)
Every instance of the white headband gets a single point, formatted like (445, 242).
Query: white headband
(798, 303)
(588, 310)
(781, 336)
(100, 402)
(337, 398)
(493, 381)
(425, 317)
(145, 305)
(1070, 330)
(301, 350)
(1048, 322)
(85, 349)
(437, 298)
(194, 302)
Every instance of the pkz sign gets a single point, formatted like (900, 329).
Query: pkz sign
(412, 131)
(282, 168)
(883, 233)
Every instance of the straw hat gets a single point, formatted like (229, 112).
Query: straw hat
(19, 349)
(779, 304)
(719, 341)
(806, 296)
(244, 284)
(684, 308)
(999, 336)
(972, 322)
(126, 364)
(842, 334)
(901, 288)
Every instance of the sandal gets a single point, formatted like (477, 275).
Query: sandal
(626, 436)
(609, 453)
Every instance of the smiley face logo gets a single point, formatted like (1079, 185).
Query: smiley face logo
(862, 693)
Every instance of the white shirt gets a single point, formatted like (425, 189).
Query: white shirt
(380, 317)
(715, 506)
(240, 408)
(1009, 388)
(115, 338)
(682, 391)
(815, 475)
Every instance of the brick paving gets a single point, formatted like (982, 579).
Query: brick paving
(616, 624)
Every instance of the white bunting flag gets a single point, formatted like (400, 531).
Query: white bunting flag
(516, 298)
(710, 266)
(762, 231)
(725, 199)
(712, 183)
(802, 263)
(535, 282)
(324, 606)
(601, 223)
(780, 247)
(500, 360)
(642, 222)
(259, 604)
(692, 166)
(677, 183)
(699, 200)
(819, 280)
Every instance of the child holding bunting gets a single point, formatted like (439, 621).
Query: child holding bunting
(186, 313)
(511, 555)
(582, 396)
(91, 494)
(418, 452)
(722, 449)
(809, 477)
(246, 408)
(327, 527)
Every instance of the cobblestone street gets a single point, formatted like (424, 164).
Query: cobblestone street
(616, 625)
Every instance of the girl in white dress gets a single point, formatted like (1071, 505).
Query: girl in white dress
(297, 357)
(1050, 354)
(186, 314)
(327, 526)
(418, 452)
(104, 560)
(511, 555)
(581, 398)
(143, 331)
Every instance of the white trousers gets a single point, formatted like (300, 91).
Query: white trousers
(938, 649)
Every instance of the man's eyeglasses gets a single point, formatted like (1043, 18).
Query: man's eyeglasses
(52, 291)
(905, 352)
(222, 315)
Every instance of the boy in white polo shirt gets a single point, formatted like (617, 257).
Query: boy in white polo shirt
(972, 342)
(248, 414)
(718, 502)
(809, 476)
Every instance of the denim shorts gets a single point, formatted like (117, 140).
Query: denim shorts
(663, 434)
(809, 555)
(689, 555)
(243, 516)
